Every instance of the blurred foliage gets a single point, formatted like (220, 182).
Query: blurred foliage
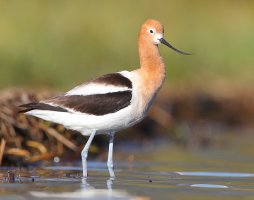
(59, 44)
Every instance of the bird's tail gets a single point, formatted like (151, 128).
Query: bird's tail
(40, 106)
(28, 107)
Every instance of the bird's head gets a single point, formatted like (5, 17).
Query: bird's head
(152, 31)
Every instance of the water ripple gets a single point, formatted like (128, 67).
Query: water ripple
(217, 174)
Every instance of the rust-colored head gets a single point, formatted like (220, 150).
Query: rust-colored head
(152, 33)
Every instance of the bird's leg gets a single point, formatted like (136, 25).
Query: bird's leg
(110, 155)
(84, 153)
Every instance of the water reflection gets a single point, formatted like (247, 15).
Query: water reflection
(86, 191)
(215, 186)
(217, 174)
(174, 174)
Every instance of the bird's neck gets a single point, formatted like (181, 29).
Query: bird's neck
(152, 67)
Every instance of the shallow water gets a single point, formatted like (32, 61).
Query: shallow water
(170, 172)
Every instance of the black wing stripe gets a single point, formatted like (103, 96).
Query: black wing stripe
(98, 104)
(114, 79)
(41, 106)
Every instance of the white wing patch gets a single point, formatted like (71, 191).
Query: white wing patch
(95, 88)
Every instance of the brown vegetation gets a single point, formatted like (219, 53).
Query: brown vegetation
(25, 140)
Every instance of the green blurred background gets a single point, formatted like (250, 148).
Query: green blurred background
(59, 44)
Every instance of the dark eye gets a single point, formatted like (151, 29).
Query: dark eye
(151, 31)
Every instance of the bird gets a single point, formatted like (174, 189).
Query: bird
(111, 102)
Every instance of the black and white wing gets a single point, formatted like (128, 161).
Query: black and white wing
(106, 94)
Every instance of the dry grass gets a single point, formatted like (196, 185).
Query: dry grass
(26, 140)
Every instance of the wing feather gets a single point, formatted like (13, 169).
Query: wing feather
(105, 84)
(106, 94)
(98, 104)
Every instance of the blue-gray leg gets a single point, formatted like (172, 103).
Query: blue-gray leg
(84, 153)
(110, 156)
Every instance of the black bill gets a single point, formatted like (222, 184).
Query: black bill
(163, 41)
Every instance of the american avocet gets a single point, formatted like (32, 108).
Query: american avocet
(111, 102)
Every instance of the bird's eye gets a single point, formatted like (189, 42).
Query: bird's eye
(151, 31)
